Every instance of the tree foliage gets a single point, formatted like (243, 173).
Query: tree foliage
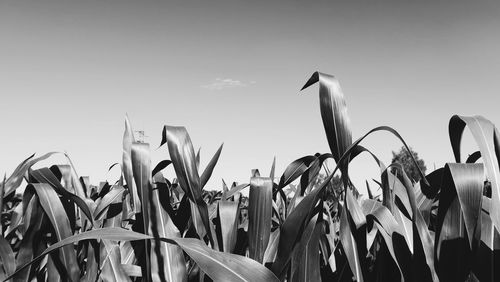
(403, 157)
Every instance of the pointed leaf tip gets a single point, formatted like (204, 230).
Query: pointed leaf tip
(314, 78)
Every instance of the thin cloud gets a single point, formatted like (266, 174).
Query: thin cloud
(223, 83)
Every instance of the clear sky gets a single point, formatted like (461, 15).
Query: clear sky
(230, 71)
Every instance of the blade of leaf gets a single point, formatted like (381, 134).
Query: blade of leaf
(349, 245)
(141, 168)
(111, 233)
(37, 219)
(219, 266)
(16, 177)
(406, 227)
(295, 169)
(306, 260)
(91, 266)
(333, 112)
(116, 192)
(272, 247)
(205, 176)
(223, 266)
(160, 166)
(421, 226)
(464, 181)
(469, 181)
(45, 175)
(75, 180)
(7, 256)
(128, 139)
(111, 269)
(273, 167)
(228, 213)
(51, 204)
(167, 260)
(182, 154)
(354, 209)
(259, 216)
(236, 190)
(132, 270)
(483, 132)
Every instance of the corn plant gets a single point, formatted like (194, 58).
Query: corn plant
(55, 226)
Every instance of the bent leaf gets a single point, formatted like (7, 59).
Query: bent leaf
(223, 266)
(333, 112)
(182, 154)
(16, 177)
(295, 169)
(45, 175)
(115, 193)
(483, 132)
(219, 266)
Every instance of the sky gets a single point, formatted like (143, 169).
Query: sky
(230, 72)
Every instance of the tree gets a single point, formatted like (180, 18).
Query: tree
(403, 157)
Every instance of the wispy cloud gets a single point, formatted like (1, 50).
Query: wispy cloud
(223, 83)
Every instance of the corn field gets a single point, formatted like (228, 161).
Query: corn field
(55, 226)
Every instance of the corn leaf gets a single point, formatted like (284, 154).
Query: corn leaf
(15, 179)
(421, 226)
(115, 193)
(182, 154)
(272, 171)
(160, 166)
(355, 210)
(295, 169)
(235, 190)
(132, 270)
(111, 269)
(141, 168)
(349, 245)
(386, 224)
(483, 132)
(45, 175)
(229, 212)
(37, 219)
(333, 112)
(128, 139)
(7, 256)
(51, 204)
(259, 216)
(205, 176)
(272, 247)
(219, 266)
(305, 260)
(167, 259)
(468, 181)
(91, 266)
(459, 207)
(111, 233)
(486, 259)
(75, 180)
(406, 226)
(294, 224)
(223, 266)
